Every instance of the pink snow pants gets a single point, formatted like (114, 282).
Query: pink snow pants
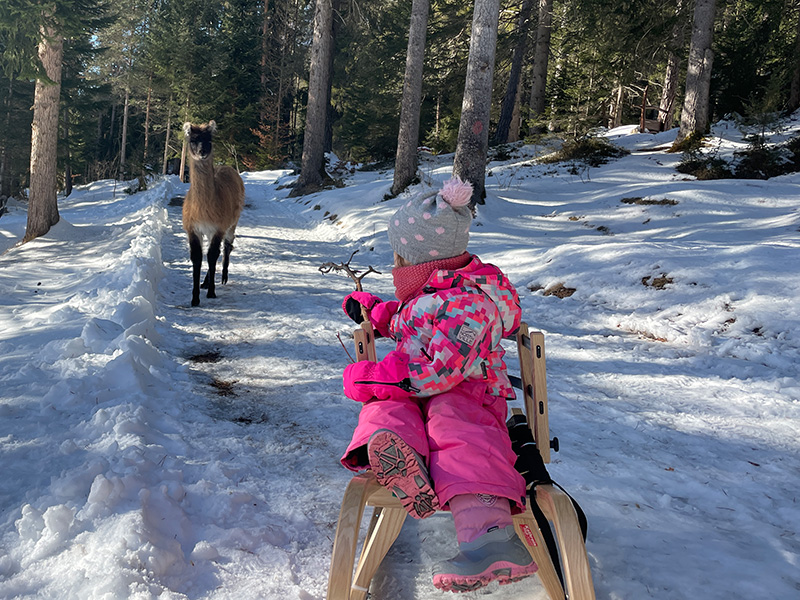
(462, 435)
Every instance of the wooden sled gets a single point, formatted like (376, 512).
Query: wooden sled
(563, 566)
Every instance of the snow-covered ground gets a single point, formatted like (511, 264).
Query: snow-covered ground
(153, 450)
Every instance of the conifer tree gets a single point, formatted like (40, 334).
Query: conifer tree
(405, 168)
(473, 130)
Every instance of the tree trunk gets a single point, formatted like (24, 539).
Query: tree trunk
(510, 102)
(616, 111)
(67, 157)
(182, 173)
(123, 145)
(694, 116)
(319, 82)
(5, 181)
(405, 164)
(540, 59)
(794, 89)
(473, 130)
(666, 108)
(516, 115)
(42, 203)
(147, 123)
(166, 141)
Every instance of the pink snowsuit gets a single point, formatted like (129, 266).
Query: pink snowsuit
(451, 332)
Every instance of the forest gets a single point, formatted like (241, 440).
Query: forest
(130, 72)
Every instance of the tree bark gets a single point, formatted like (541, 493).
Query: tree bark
(67, 157)
(694, 116)
(540, 59)
(312, 166)
(42, 203)
(147, 123)
(124, 143)
(510, 102)
(5, 181)
(473, 130)
(666, 108)
(794, 88)
(166, 140)
(406, 161)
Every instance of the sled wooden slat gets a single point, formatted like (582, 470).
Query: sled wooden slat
(557, 507)
(349, 580)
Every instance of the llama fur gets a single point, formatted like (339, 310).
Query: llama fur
(211, 208)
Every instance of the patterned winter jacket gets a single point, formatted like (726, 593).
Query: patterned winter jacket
(452, 330)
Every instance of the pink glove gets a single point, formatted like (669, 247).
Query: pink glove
(380, 313)
(355, 300)
(384, 380)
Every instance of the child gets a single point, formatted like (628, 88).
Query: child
(440, 397)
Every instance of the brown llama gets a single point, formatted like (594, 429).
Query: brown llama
(211, 208)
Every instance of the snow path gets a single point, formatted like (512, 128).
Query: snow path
(153, 450)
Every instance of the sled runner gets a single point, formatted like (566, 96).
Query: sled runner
(559, 550)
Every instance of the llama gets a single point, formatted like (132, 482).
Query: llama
(211, 208)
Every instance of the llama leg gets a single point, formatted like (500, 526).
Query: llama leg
(213, 256)
(226, 255)
(196, 254)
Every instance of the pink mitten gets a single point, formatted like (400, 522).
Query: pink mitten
(384, 380)
(355, 300)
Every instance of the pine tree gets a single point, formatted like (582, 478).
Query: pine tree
(473, 130)
(312, 170)
(405, 169)
(694, 116)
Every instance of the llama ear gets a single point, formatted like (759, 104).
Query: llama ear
(187, 129)
(212, 127)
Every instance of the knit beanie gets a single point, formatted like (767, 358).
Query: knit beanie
(433, 226)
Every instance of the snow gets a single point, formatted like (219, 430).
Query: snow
(153, 450)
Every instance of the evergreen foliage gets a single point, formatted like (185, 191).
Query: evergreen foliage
(244, 63)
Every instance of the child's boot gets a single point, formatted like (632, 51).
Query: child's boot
(402, 471)
(498, 554)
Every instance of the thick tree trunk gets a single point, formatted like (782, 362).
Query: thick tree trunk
(311, 170)
(473, 130)
(694, 116)
(516, 116)
(42, 203)
(510, 100)
(666, 108)
(540, 59)
(794, 88)
(405, 164)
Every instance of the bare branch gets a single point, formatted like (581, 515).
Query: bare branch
(350, 271)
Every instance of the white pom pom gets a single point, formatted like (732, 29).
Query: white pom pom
(456, 193)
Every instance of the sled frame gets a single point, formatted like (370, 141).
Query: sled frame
(350, 576)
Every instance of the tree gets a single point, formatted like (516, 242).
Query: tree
(540, 59)
(666, 108)
(473, 130)
(794, 87)
(694, 116)
(405, 166)
(511, 97)
(319, 81)
(42, 204)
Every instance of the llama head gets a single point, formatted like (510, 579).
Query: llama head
(200, 139)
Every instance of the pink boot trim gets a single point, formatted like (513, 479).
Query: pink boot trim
(402, 471)
(502, 571)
